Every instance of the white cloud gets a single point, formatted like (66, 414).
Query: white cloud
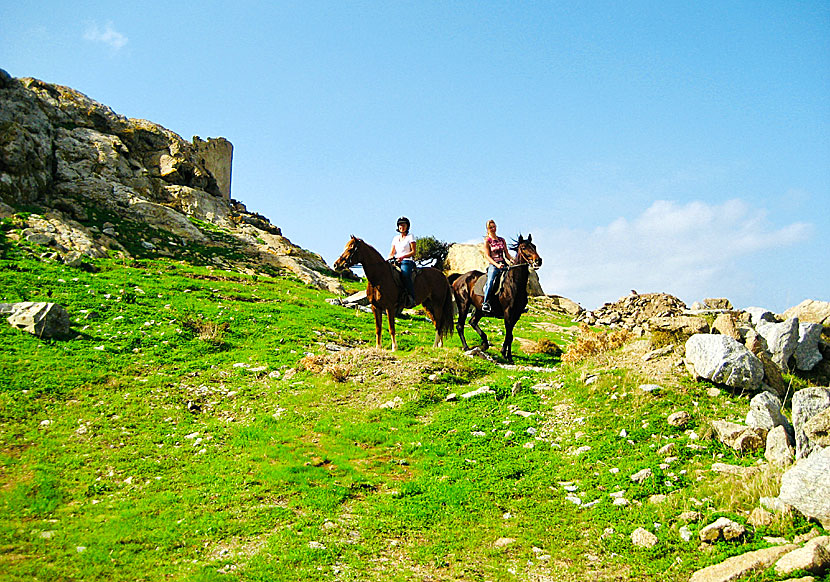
(692, 250)
(108, 36)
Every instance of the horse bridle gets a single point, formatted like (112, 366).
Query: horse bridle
(348, 262)
(520, 254)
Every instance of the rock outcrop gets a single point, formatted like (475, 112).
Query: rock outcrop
(83, 164)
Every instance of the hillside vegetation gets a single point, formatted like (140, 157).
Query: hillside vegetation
(204, 425)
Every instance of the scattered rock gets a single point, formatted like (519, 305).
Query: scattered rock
(810, 311)
(817, 429)
(765, 413)
(807, 403)
(44, 320)
(779, 448)
(724, 528)
(725, 324)
(679, 419)
(642, 538)
(723, 360)
(642, 475)
(806, 486)
(478, 392)
(739, 566)
(813, 558)
(739, 437)
(807, 354)
(781, 339)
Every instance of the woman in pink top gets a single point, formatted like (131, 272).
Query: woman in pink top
(496, 253)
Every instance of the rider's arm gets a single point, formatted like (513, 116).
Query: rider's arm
(411, 252)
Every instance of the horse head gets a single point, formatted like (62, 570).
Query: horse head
(526, 252)
(348, 257)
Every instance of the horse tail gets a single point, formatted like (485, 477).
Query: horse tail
(447, 319)
(452, 277)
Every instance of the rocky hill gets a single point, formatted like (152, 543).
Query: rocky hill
(92, 182)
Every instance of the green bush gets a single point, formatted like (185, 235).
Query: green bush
(431, 252)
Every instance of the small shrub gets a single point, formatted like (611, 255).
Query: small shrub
(205, 330)
(313, 363)
(661, 338)
(590, 343)
(338, 372)
(547, 347)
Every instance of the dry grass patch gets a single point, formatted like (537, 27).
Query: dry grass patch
(591, 343)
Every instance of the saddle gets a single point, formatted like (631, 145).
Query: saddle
(478, 286)
(398, 276)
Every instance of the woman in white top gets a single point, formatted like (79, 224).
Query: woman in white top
(402, 252)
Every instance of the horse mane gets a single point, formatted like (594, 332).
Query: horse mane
(369, 248)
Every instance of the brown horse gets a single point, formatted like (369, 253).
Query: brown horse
(509, 304)
(432, 290)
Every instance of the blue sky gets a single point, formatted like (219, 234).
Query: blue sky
(678, 147)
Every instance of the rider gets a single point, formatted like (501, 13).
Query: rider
(495, 251)
(402, 253)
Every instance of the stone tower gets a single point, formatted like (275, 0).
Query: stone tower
(216, 154)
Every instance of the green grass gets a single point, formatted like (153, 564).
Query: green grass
(176, 436)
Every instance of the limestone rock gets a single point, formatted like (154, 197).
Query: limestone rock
(63, 151)
(765, 413)
(642, 538)
(810, 311)
(813, 557)
(781, 339)
(723, 360)
(634, 311)
(779, 448)
(817, 429)
(807, 403)
(807, 354)
(759, 314)
(739, 437)
(725, 324)
(724, 528)
(717, 303)
(45, 320)
(739, 566)
(560, 304)
(806, 486)
(772, 375)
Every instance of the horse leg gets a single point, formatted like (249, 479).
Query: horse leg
(459, 326)
(378, 324)
(485, 343)
(507, 346)
(390, 313)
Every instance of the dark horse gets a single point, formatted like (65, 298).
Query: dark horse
(432, 290)
(509, 304)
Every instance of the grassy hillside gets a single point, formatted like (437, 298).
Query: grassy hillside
(206, 425)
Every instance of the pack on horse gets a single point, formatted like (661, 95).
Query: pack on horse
(509, 303)
(384, 286)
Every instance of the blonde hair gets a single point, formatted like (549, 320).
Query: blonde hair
(487, 225)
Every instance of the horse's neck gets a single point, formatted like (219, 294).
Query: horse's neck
(373, 264)
(518, 276)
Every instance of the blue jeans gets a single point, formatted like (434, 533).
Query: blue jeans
(492, 272)
(407, 268)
